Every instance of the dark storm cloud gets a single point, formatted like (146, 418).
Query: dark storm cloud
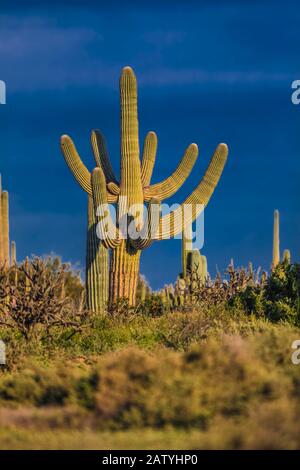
(207, 72)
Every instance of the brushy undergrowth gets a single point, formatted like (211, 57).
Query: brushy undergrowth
(220, 373)
(224, 381)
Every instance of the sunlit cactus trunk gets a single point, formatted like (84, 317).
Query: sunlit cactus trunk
(276, 247)
(124, 273)
(97, 277)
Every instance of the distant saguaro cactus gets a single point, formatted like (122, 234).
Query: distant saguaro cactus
(134, 190)
(13, 253)
(286, 258)
(5, 227)
(276, 248)
(192, 260)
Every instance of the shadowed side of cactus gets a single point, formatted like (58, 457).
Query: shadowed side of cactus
(134, 189)
(276, 248)
(192, 260)
(286, 257)
(97, 276)
(5, 227)
(186, 248)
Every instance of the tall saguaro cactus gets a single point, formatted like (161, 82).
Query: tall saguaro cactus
(135, 189)
(276, 248)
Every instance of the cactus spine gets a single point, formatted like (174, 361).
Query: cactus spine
(96, 266)
(135, 189)
(5, 227)
(276, 249)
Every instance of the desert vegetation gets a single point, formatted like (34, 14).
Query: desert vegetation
(205, 362)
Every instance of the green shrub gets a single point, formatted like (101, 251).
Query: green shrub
(282, 293)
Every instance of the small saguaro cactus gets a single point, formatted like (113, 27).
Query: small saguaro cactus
(286, 257)
(135, 189)
(192, 260)
(276, 249)
(13, 253)
(5, 227)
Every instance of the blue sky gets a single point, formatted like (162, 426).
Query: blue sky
(208, 72)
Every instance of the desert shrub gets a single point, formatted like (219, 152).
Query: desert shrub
(37, 385)
(276, 298)
(34, 302)
(250, 300)
(282, 293)
(152, 306)
(73, 287)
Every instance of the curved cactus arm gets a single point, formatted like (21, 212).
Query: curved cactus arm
(149, 155)
(74, 162)
(147, 234)
(106, 230)
(170, 186)
(173, 223)
(113, 188)
(77, 167)
(101, 156)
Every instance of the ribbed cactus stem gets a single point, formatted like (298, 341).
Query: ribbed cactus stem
(5, 227)
(97, 277)
(13, 253)
(197, 266)
(287, 256)
(276, 248)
